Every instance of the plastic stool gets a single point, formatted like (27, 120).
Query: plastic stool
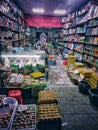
(16, 94)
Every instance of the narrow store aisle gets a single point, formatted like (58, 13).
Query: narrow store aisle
(58, 76)
(76, 109)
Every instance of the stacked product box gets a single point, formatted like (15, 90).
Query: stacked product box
(71, 60)
(93, 81)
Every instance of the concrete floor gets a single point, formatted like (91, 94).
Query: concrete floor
(76, 110)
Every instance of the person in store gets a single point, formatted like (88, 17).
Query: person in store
(38, 45)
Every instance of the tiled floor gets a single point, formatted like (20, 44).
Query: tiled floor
(77, 111)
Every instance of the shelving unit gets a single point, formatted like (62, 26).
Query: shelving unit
(85, 37)
(12, 32)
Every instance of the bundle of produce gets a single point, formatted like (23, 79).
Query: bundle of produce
(16, 79)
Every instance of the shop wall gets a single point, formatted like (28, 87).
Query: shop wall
(43, 21)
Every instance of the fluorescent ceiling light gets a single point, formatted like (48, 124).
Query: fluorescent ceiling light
(38, 10)
(60, 11)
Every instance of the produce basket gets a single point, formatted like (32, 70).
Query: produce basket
(25, 118)
(7, 116)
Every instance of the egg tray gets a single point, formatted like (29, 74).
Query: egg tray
(6, 116)
(26, 119)
(48, 112)
(47, 101)
(47, 97)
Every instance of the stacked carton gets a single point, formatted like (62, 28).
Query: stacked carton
(93, 81)
(71, 60)
(78, 65)
(85, 72)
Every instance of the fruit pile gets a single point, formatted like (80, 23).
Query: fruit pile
(5, 116)
(48, 96)
(24, 117)
(48, 111)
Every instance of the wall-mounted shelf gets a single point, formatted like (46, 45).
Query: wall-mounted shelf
(91, 44)
(90, 54)
(10, 17)
(78, 51)
(94, 35)
(80, 24)
(83, 13)
(11, 24)
(91, 26)
(82, 33)
(86, 30)
(90, 62)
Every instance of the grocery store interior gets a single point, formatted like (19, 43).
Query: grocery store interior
(48, 65)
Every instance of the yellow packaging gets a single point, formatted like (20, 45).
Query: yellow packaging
(95, 76)
(78, 65)
(37, 75)
(92, 84)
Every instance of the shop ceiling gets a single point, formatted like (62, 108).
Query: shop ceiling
(50, 5)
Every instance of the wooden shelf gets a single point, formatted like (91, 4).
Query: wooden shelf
(60, 45)
(90, 54)
(70, 20)
(17, 40)
(69, 48)
(93, 18)
(78, 51)
(4, 26)
(90, 62)
(72, 27)
(10, 17)
(15, 30)
(91, 35)
(72, 42)
(80, 42)
(82, 33)
(6, 37)
(82, 13)
(91, 26)
(80, 24)
(91, 44)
